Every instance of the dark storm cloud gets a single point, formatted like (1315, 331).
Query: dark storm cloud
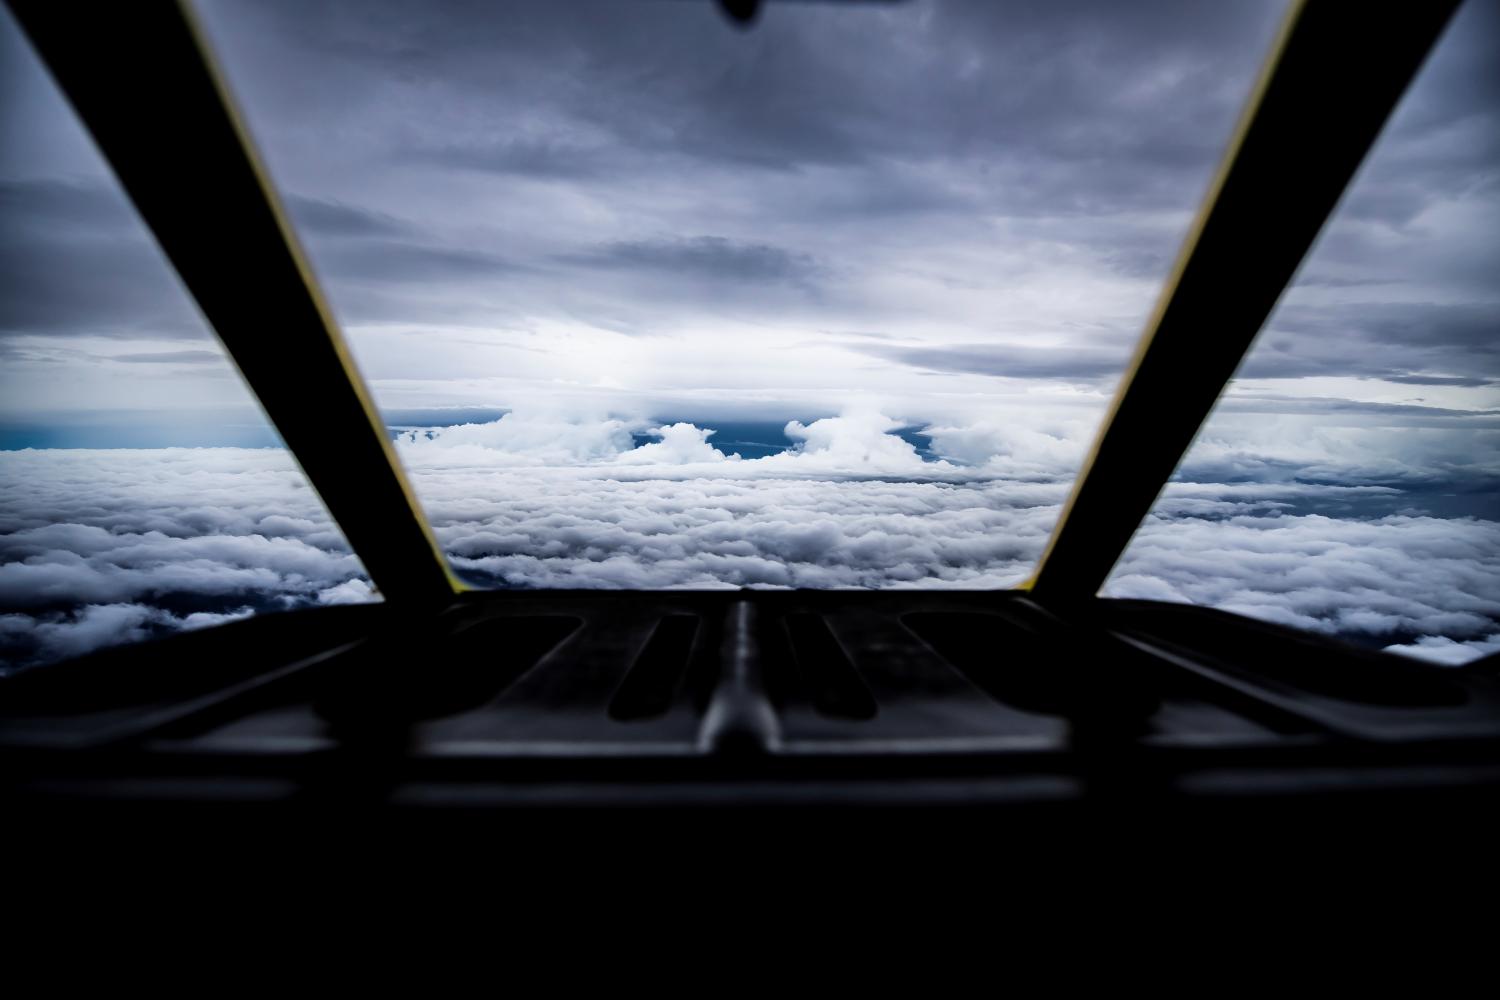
(712, 257)
(1411, 343)
(357, 245)
(1065, 364)
(1273, 403)
(527, 158)
(171, 358)
(1438, 380)
(1473, 329)
(74, 258)
(1066, 84)
(51, 203)
(385, 261)
(947, 112)
(335, 218)
(84, 265)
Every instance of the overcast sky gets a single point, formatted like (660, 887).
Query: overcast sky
(631, 221)
(946, 207)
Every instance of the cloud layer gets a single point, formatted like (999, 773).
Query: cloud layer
(110, 546)
(1424, 586)
(101, 547)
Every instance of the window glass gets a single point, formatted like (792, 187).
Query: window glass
(141, 488)
(654, 301)
(1349, 480)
